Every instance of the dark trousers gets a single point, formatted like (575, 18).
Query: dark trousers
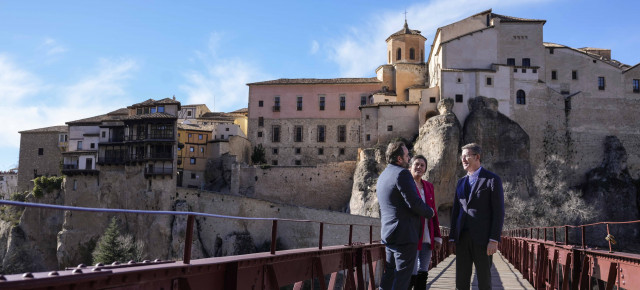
(399, 263)
(468, 253)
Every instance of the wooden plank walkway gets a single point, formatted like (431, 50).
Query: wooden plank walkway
(503, 275)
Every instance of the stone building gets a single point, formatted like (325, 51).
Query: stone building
(193, 153)
(190, 113)
(308, 121)
(8, 183)
(40, 154)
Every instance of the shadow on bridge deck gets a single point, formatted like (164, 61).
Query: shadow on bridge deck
(503, 275)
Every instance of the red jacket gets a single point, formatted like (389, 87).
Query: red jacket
(433, 223)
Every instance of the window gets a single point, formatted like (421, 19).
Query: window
(550, 50)
(274, 162)
(601, 83)
(153, 110)
(189, 136)
(260, 103)
(574, 75)
(260, 134)
(226, 129)
(343, 101)
(511, 61)
(526, 62)
(321, 133)
(275, 134)
(274, 151)
(193, 176)
(75, 184)
(40, 151)
(341, 152)
(222, 136)
(363, 100)
(320, 151)
(298, 162)
(192, 160)
(366, 117)
(298, 150)
(554, 75)
(489, 81)
(459, 98)
(412, 53)
(93, 146)
(192, 149)
(146, 110)
(297, 132)
(160, 109)
(188, 113)
(200, 135)
(342, 133)
(520, 98)
(299, 104)
(636, 86)
(79, 145)
(389, 128)
(276, 104)
(104, 134)
(63, 137)
(260, 121)
(399, 54)
(459, 80)
(432, 100)
(321, 97)
(201, 149)
(139, 112)
(368, 137)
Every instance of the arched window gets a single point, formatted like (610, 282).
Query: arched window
(412, 53)
(399, 54)
(520, 98)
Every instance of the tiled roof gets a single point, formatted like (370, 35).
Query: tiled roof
(152, 102)
(192, 106)
(96, 120)
(611, 62)
(405, 31)
(151, 116)
(52, 129)
(467, 70)
(241, 111)
(196, 127)
(80, 152)
(121, 111)
(217, 116)
(382, 104)
(319, 81)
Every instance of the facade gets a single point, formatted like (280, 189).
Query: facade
(40, 154)
(190, 113)
(8, 183)
(193, 153)
(308, 121)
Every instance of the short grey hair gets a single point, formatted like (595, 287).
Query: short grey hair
(473, 147)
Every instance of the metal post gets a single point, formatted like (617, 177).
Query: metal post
(370, 234)
(554, 235)
(350, 235)
(609, 239)
(188, 240)
(320, 236)
(545, 234)
(583, 237)
(274, 235)
(566, 235)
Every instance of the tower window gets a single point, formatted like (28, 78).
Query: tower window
(459, 98)
(412, 53)
(399, 54)
(299, 105)
(554, 75)
(636, 86)
(343, 102)
(520, 97)
(601, 83)
(574, 75)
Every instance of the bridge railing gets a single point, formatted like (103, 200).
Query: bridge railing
(355, 265)
(548, 259)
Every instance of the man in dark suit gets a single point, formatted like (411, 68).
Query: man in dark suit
(400, 209)
(476, 219)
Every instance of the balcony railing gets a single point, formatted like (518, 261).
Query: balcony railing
(111, 160)
(160, 156)
(153, 136)
(276, 108)
(69, 166)
(72, 169)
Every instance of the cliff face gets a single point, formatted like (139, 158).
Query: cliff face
(364, 200)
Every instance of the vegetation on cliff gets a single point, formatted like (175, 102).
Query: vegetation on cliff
(116, 247)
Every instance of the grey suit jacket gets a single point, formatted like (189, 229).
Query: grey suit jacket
(400, 206)
(482, 212)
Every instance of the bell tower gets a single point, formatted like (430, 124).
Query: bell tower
(405, 46)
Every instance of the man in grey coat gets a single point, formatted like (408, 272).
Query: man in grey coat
(400, 211)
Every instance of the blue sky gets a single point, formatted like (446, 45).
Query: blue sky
(66, 60)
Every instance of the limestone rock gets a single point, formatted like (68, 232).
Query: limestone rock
(438, 142)
(612, 188)
(505, 145)
(364, 200)
(218, 173)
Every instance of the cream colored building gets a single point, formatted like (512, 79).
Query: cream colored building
(8, 183)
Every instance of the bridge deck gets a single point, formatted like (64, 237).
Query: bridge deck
(503, 275)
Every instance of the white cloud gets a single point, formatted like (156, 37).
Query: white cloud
(52, 47)
(15, 83)
(315, 46)
(105, 83)
(222, 83)
(361, 50)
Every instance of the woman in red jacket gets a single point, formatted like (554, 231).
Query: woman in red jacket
(430, 238)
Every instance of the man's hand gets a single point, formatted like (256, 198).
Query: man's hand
(452, 247)
(492, 248)
(437, 246)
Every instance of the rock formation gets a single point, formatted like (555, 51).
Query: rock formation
(364, 200)
(439, 141)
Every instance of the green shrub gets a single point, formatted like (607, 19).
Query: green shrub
(259, 155)
(115, 247)
(45, 184)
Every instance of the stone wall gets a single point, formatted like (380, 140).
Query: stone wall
(325, 186)
(47, 164)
